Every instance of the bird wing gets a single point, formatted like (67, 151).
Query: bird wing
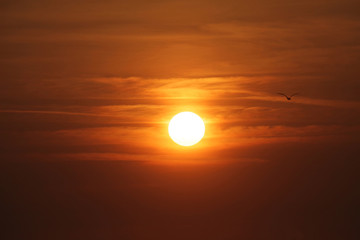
(294, 94)
(282, 94)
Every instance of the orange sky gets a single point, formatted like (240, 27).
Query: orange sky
(90, 80)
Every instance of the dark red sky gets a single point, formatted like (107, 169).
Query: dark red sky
(87, 89)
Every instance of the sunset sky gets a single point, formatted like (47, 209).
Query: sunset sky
(88, 88)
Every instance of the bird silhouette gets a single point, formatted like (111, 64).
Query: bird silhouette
(288, 97)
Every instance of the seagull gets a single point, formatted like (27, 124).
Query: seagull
(288, 97)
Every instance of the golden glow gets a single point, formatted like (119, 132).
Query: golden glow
(186, 128)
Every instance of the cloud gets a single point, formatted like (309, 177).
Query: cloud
(126, 68)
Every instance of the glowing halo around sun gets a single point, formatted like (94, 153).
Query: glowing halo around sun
(186, 128)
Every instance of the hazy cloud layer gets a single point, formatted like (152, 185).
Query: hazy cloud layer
(116, 72)
(87, 89)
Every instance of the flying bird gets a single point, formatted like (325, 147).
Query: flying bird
(288, 97)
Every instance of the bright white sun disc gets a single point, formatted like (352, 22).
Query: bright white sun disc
(186, 128)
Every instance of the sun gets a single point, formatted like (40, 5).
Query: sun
(186, 128)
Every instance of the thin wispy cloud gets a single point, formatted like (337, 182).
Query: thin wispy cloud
(128, 67)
